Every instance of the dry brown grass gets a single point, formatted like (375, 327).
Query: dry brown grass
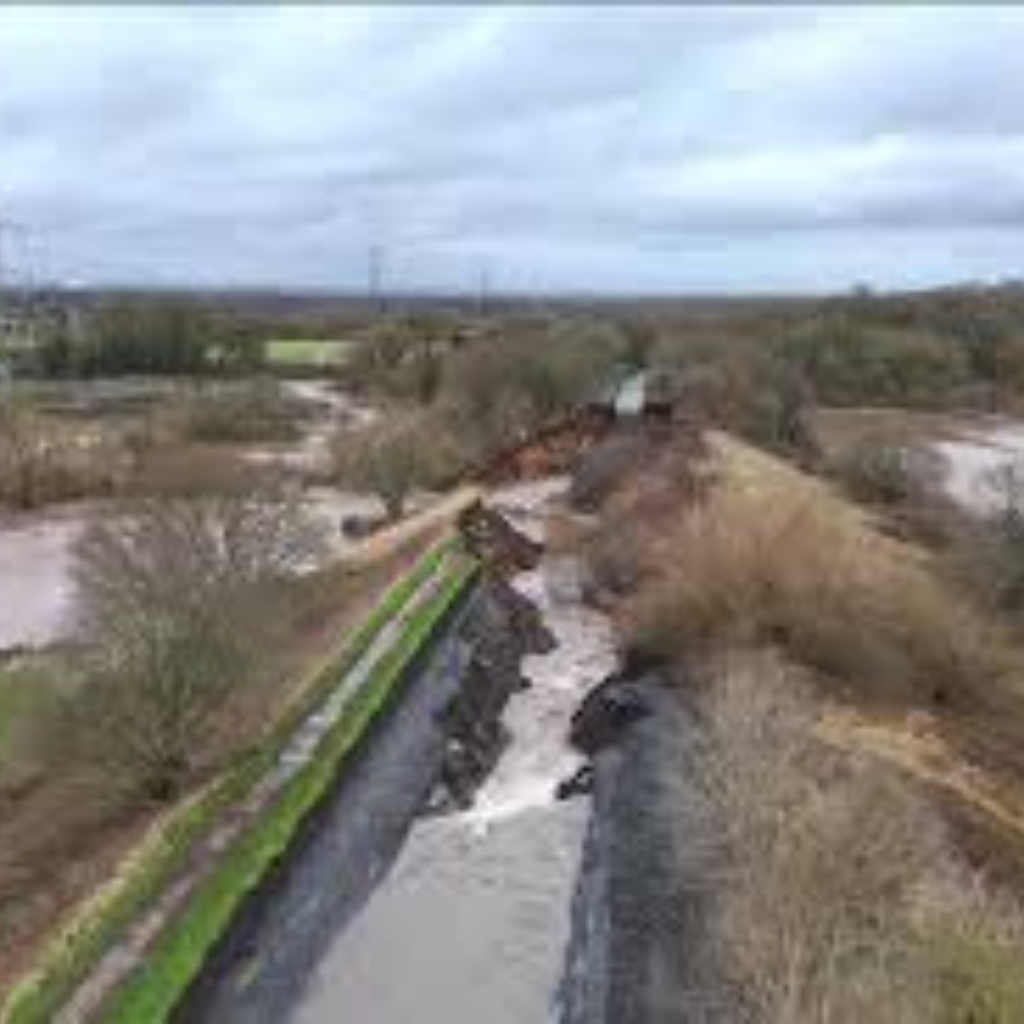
(774, 556)
(815, 915)
(841, 900)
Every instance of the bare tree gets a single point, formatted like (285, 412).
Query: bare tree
(179, 603)
(393, 457)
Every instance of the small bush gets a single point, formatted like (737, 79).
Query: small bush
(499, 387)
(165, 851)
(41, 463)
(394, 456)
(840, 900)
(153, 991)
(242, 414)
(875, 474)
(762, 399)
(878, 473)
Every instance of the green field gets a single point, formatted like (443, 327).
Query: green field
(306, 352)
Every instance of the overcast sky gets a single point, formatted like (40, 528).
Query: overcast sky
(629, 149)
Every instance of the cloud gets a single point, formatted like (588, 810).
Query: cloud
(618, 148)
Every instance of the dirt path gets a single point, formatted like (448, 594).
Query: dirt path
(915, 747)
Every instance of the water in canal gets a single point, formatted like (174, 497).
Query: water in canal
(471, 923)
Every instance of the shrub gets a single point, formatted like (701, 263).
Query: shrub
(880, 473)
(179, 601)
(167, 847)
(42, 462)
(498, 387)
(839, 898)
(155, 989)
(762, 399)
(987, 550)
(393, 456)
(771, 557)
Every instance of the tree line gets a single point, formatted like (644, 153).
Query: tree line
(145, 336)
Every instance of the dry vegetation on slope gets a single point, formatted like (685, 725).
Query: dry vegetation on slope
(815, 645)
(774, 556)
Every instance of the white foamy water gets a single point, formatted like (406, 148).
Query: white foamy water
(538, 756)
(466, 929)
(973, 461)
(538, 719)
(471, 924)
(36, 592)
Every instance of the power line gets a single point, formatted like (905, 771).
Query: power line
(375, 270)
(484, 287)
(15, 255)
(3, 253)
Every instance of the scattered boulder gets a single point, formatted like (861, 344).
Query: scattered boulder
(496, 543)
(358, 527)
(606, 712)
(581, 783)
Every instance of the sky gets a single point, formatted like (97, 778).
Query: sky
(551, 149)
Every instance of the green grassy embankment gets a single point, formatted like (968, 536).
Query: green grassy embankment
(179, 953)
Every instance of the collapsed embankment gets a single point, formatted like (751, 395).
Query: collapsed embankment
(472, 919)
(498, 867)
(261, 967)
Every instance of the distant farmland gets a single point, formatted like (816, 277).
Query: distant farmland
(306, 353)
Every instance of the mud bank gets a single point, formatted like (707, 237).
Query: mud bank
(641, 951)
